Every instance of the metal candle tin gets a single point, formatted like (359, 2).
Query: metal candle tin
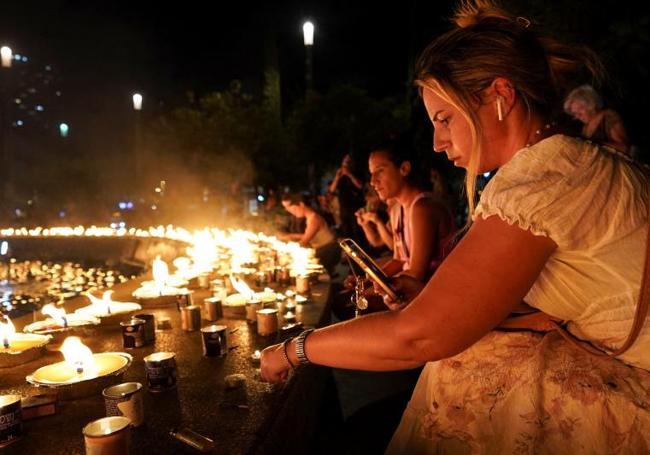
(11, 419)
(183, 300)
(284, 276)
(251, 310)
(302, 284)
(160, 368)
(204, 280)
(212, 309)
(125, 400)
(215, 343)
(267, 321)
(110, 435)
(271, 275)
(133, 333)
(190, 318)
(149, 327)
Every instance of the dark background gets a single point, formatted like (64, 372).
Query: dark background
(99, 53)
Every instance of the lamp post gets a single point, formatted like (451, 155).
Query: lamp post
(308, 35)
(6, 57)
(137, 143)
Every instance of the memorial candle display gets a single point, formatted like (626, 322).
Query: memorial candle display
(17, 348)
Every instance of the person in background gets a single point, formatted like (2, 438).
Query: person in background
(603, 126)
(317, 233)
(423, 229)
(348, 189)
(563, 224)
(378, 224)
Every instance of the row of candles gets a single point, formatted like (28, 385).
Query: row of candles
(219, 259)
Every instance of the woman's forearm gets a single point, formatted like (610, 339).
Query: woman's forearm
(373, 237)
(372, 343)
(386, 235)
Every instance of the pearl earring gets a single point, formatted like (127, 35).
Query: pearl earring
(500, 108)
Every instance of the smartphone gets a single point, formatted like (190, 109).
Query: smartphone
(369, 266)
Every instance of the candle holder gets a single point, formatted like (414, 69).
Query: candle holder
(24, 347)
(11, 421)
(109, 435)
(71, 385)
(267, 321)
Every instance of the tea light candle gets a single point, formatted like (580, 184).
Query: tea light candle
(109, 435)
(256, 356)
(267, 321)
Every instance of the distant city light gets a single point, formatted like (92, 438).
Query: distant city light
(19, 123)
(57, 93)
(157, 190)
(486, 174)
(18, 100)
(18, 57)
(260, 198)
(121, 205)
(40, 108)
(62, 214)
(129, 205)
(24, 59)
(48, 68)
(153, 207)
(5, 55)
(64, 129)
(137, 101)
(308, 33)
(4, 248)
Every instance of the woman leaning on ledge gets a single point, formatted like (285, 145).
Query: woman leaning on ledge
(562, 225)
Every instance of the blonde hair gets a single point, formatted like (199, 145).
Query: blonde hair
(488, 43)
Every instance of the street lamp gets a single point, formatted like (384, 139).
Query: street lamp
(6, 55)
(308, 35)
(137, 142)
(6, 189)
(64, 129)
(137, 101)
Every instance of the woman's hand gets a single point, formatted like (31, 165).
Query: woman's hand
(408, 288)
(273, 365)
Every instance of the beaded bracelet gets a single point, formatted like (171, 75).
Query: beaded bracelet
(286, 354)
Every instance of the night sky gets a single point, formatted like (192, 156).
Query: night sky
(165, 48)
(104, 51)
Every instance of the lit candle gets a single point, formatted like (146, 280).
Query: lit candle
(80, 364)
(106, 307)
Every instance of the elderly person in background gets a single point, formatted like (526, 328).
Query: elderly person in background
(603, 126)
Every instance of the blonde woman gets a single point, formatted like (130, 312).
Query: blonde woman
(562, 225)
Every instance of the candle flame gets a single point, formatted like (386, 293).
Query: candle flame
(183, 266)
(160, 272)
(103, 305)
(58, 314)
(242, 288)
(7, 331)
(78, 356)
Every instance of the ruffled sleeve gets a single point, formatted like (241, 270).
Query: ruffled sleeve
(569, 190)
